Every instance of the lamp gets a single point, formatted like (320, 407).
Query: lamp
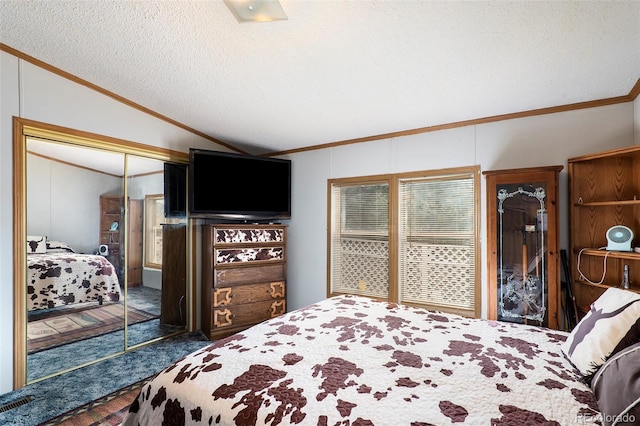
(256, 10)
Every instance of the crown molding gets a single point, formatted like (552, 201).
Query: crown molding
(633, 94)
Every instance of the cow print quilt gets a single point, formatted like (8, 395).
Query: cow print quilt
(351, 360)
(56, 279)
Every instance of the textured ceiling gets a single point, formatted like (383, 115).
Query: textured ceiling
(335, 70)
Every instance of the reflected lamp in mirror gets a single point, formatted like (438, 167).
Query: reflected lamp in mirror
(256, 10)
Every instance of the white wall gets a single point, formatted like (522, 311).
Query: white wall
(30, 92)
(525, 142)
(64, 202)
(9, 103)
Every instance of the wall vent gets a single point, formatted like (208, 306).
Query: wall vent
(14, 404)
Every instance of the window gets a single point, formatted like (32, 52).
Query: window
(429, 258)
(360, 242)
(153, 220)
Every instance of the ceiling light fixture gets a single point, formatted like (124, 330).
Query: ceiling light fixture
(256, 10)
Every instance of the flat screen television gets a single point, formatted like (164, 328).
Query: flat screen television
(232, 186)
(175, 190)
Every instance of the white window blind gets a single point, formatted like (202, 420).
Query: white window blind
(408, 238)
(437, 238)
(359, 229)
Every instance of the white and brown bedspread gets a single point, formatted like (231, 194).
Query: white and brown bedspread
(56, 279)
(354, 361)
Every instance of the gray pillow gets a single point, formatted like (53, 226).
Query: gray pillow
(617, 387)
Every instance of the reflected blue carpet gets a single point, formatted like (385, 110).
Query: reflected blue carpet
(50, 361)
(57, 395)
(53, 360)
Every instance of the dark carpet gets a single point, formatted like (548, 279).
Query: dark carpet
(58, 395)
(61, 358)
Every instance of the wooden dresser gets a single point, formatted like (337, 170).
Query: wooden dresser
(243, 276)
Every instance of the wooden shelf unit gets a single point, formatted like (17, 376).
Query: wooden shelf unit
(612, 254)
(243, 276)
(609, 203)
(604, 191)
(112, 210)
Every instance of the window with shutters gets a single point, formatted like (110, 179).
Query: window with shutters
(408, 238)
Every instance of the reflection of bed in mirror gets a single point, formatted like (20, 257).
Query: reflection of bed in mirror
(66, 326)
(58, 276)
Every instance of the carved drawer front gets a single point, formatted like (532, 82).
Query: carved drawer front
(233, 296)
(247, 314)
(255, 274)
(248, 255)
(248, 235)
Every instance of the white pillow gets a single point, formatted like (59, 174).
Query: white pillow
(36, 244)
(610, 319)
(58, 247)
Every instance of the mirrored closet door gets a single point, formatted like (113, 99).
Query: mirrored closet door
(156, 261)
(106, 263)
(73, 293)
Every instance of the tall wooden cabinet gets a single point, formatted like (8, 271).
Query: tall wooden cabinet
(112, 236)
(243, 276)
(173, 300)
(523, 240)
(604, 191)
(134, 252)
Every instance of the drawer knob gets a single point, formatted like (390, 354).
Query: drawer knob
(277, 308)
(222, 318)
(277, 289)
(222, 296)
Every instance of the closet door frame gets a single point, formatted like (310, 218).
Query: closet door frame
(22, 130)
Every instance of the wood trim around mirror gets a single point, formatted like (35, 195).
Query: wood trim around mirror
(23, 129)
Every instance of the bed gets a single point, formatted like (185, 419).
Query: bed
(351, 360)
(57, 276)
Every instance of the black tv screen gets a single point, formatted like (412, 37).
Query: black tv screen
(234, 186)
(175, 190)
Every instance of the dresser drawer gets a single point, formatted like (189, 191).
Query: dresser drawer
(245, 256)
(238, 295)
(247, 275)
(227, 317)
(234, 235)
